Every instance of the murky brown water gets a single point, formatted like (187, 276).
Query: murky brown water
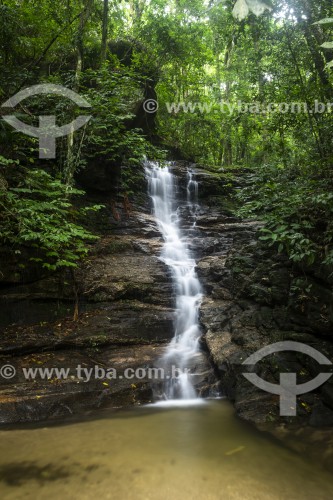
(196, 453)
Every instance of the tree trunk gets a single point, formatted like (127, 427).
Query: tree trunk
(105, 30)
(71, 160)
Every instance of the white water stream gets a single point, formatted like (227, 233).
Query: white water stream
(175, 253)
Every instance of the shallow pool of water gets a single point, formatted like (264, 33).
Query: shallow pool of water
(197, 453)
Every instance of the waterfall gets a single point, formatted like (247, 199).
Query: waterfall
(183, 350)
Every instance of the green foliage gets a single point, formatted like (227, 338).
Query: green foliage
(189, 51)
(326, 23)
(39, 213)
(297, 209)
(60, 42)
(114, 93)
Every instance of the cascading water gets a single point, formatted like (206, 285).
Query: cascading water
(183, 349)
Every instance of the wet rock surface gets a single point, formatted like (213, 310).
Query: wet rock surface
(95, 379)
(122, 302)
(255, 297)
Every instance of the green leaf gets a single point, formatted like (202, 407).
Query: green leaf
(328, 21)
(327, 45)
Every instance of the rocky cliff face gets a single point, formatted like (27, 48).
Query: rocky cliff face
(253, 297)
(125, 299)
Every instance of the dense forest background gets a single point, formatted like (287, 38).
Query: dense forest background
(243, 87)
